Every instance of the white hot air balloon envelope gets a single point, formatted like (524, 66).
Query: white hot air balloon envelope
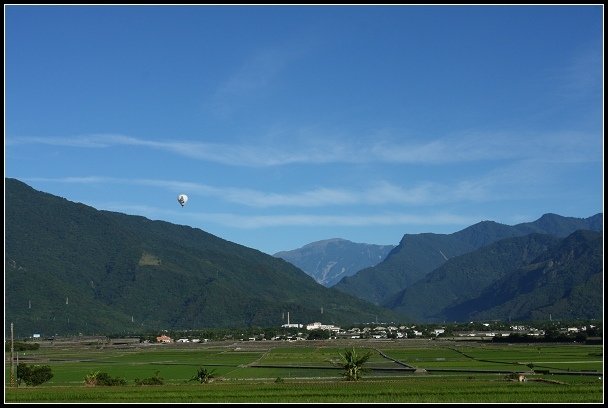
(182, 199)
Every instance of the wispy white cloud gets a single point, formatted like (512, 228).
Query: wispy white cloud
(240, 221)
(465, 147)
(314, 220)
(255, 74)
(381, 193)
(556, 147)
(580, 77)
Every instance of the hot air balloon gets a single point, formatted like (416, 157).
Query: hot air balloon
(182, 199)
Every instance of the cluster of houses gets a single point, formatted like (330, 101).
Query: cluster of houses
(166, 339)
(403, 332)
(389, 332)
(355, 332)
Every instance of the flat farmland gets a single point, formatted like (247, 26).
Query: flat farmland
(306, 371)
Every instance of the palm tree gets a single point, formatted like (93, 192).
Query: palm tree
(353, 364)
(203, 375)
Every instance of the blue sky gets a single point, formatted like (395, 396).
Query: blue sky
(291, 124)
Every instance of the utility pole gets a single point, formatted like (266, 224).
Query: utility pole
(12, 358)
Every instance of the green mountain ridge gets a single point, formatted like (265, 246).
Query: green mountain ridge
(417, 255)
(565, 281)
(519, 278)
(70, 268)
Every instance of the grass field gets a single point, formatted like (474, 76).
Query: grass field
(268, 371)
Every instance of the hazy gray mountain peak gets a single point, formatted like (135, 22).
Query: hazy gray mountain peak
(330, 260)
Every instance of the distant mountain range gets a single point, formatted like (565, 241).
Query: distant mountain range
(530, 271)
(530, 277)
(417, 255)
(70, 268)
(330, 260)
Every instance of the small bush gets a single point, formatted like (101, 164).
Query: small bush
(21, 346)
(34, 375)
(156, 380)
(99, 378)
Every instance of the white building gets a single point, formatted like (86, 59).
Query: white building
(320, 326)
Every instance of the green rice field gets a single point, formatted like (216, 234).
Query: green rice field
(298, 372)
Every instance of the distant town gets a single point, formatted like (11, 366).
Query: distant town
(550, 331)
(471, 331)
